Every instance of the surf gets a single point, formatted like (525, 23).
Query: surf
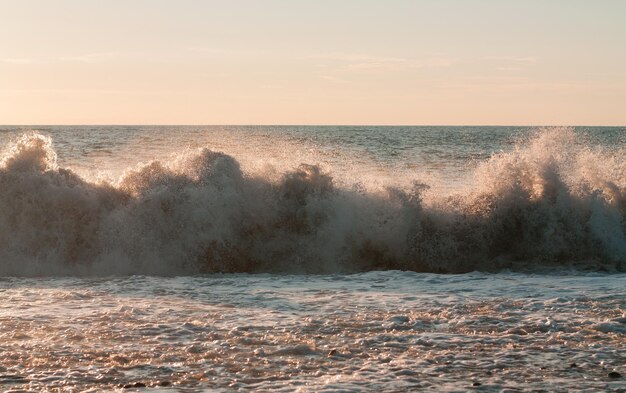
(554, 200)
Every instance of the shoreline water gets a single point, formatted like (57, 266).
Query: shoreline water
(380, 330)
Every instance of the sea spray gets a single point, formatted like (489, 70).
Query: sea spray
(553, 200)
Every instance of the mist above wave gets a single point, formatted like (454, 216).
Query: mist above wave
(554, 200)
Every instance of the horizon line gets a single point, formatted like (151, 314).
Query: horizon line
(297, 125)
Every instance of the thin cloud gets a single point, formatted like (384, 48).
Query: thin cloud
(517, 83)
(354, 57)
(216, 51)
(368, 63)
(510, 69)
(530, 60)
(332, 78)
(91, 91)
(14, 60)
(86, 58)
(89, 58)
(201, 49)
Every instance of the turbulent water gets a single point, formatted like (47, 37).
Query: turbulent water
(127, 253)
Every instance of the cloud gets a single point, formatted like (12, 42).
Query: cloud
(510, 69)
(359, 63)
(511, 64)
(201, 49)
(14, 60)
(89, 58)
(86, 58)
(529, 60)
(332, 78)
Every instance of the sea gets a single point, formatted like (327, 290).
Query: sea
(312, 258)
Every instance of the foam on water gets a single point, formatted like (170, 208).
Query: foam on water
(553, 200)
(298, 200)
(375, 331)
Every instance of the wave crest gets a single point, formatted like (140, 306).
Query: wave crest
(552, 201)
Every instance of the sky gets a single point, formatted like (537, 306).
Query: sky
(413, 62)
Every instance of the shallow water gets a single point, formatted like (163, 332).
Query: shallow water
(372, 331)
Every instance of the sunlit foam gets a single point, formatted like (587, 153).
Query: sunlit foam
(553, 200)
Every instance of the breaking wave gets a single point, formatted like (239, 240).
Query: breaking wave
(553, 201)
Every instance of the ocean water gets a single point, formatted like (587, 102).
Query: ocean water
(312, 258)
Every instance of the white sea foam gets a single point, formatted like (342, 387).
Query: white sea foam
(553, 200)
(375, 331)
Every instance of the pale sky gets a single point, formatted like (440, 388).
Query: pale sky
(438, 62)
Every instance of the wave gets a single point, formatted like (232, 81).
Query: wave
(553, 201)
